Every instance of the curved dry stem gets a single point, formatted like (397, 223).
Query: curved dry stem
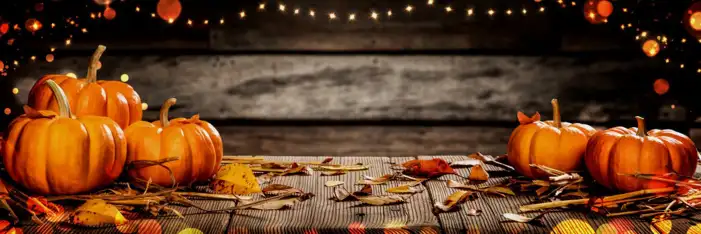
(94, 63)
(164, 111)
(556, 113)
(641, 126)
(64, 109)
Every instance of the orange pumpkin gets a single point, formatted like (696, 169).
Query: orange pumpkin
(88, 96)
(614, 153)
(56, 154)
(555, 144)
(195, 141)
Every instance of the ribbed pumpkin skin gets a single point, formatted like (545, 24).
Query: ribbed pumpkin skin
(555, 144)
(55, 154)
(621, 150)
(196, 142)
(543, 144)
(114, 99)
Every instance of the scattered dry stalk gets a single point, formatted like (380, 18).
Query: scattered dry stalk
(609, 199)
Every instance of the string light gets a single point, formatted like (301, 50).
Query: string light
(153, 15)
(189, 22)
(84, 30)
(351, 17)
(332, 15)
(430, 2)
(409, 8)
(524, 11)
(242, 14)
(68, 42)
(542, 9)
(389, 13)
(15, 90)
(261, 6)
(681, 66)
(448, 9)
(33, 58)
(508, 11)
(171, 20)
(374, 15)
(282, 7)
(221, 21)
(297, 11)
(138, 9)
(52, 49)
(490, 12)
(470, 11)
(206, 22)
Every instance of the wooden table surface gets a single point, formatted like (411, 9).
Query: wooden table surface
(321, 215)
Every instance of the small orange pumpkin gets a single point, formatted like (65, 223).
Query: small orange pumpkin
(612, 155)
(555, 144)
(56, 154)
(88, 96)
(196, 142)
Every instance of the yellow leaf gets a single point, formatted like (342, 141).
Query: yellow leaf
(97, 212)
(407, 188)
(237, 179)
(478, 173)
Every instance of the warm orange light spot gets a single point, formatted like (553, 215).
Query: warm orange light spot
(149, 226)
(109, 13)
(15, 90)
(604, 8)
(4, 28)
(356, 228)
(661, 86)
(651, 48)
(169, 9)
(32, 25)
(8, 111)
(2, 66)
(573, 226)
(49, 57)
(695, 21)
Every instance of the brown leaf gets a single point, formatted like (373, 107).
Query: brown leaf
(458, 185)
(499, 190)
(272, 166)
(578, 194)
(478, 173)
(384, 199)
(365, 191)
(427, 168)
(466, 163)
(541, 183)
(279, 189)
(297, 169)
(453, 200)
(522, 219)
(333, 183)
(327, 160)
(407, 188)
(332, 173)
(375, 181)
(341, 194)
(277, 204)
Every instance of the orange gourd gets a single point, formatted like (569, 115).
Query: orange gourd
(555, 144)
(57, 154)
(196, 142)
(616, 152)
(88, 96)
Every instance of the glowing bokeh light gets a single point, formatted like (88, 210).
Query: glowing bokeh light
(661, 86)
(8, 111)
(109, 13)
(604, 8)
(15, 90)
(144, 106)
(169, 9)
(71, 75)
(573, 226)
(32, 25)
(124, 78)
(651, 48)
(695, 21)
(49, 57)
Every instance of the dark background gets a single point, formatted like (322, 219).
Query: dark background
(428, 82)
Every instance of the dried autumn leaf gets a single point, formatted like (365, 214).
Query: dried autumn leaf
(428, 168)
(369, 180)
(478, 173)
(453, 200)
(272, 166)
(341, 194)
(578, 194)
(458, 185)
(297, 169)
(474, 212)
(236, 179)
(499, 190)
(39, 205)
(278, 189)
(327, 160)
(365, 191)
(466, 163)
(97, 212)
(407, 188)
(522, 219)
(277, 204)
(383, 199)
(332, 173)
(334, 183)
(345, 168)
(541, 183)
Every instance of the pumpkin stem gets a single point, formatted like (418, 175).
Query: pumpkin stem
(556, 113)
(64, 109)
(164, 111)
(94, 63)
(641, 126)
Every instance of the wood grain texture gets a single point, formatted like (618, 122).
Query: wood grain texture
(326, 216)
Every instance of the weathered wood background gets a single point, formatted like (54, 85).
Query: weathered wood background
(427, 66)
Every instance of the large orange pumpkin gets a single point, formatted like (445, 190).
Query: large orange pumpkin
(196, 142)
(56, 154)
(612, 155)
(88, 96)
(555, 144)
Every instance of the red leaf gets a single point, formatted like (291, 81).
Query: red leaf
(524, 119)
(428, 168)
(41, 206)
